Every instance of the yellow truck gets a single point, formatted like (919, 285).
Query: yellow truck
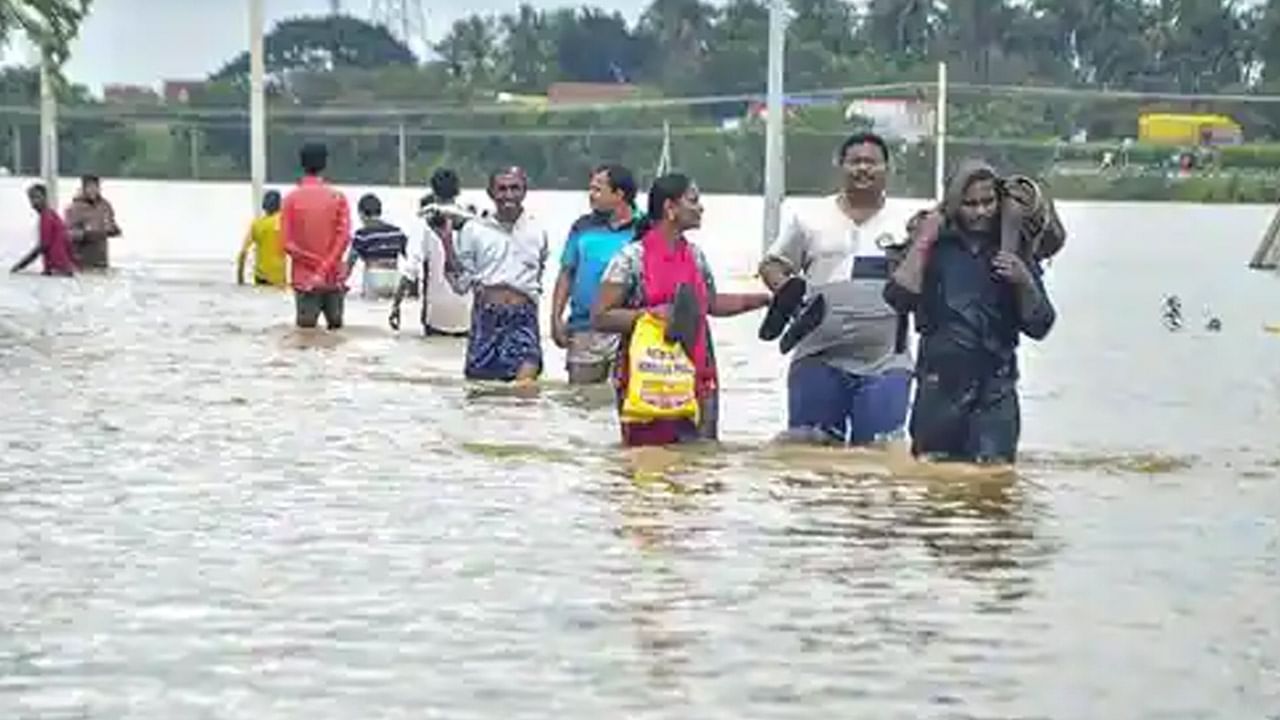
(1188, 129)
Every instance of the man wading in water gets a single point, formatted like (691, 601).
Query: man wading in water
(850, 376)
(501, 258)
(972, 298)
(91, 221)
(53, 245)
(593, 241)
(444, 218)
(315, 226)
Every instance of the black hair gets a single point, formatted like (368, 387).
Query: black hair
(445, 185)
(620, 180)
(509, 170)
(862, 138)
(671, 186)
(38, 187)
(369, 205)
(314, 157)
(271, 201)
(85, 179)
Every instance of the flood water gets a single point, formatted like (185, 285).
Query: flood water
(206, 514)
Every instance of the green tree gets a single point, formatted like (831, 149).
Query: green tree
(528, 57)
(49, 24)
(470, 50)
(594, 46)
(326, 43)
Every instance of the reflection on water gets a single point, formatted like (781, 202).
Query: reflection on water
(205, 512)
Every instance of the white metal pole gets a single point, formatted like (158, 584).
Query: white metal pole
(48, 130)
(403, 141)
(940, 142)
(257, 105)
(16, 138)
(775, 175)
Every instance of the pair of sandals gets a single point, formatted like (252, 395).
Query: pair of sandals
(790, 317)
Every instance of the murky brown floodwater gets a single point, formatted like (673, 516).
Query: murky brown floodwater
(205, 514)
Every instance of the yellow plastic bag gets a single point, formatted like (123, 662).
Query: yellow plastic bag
(662, 381)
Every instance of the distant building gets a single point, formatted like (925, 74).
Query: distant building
(759, 109)
(570, 93)
(129, 95)
(179, 91)
(896, 118)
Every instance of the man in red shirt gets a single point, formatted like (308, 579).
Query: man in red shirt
(315, 227)
(53, 244)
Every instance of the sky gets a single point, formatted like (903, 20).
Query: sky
(146, 41)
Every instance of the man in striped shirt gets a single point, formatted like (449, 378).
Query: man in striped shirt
(380, 246)
(315, 225)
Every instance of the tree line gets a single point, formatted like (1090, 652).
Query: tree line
(354, 72)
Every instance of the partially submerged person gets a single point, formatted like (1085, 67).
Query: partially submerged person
(315, 226)
(53, 243)
(444, 311)
(662, 272)
(850, 376)
(269, 264)
(381, 246)
(91, 221)
(972, 298)
(593, 241)
(500, 259)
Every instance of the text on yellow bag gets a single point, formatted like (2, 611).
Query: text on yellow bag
(662, 381)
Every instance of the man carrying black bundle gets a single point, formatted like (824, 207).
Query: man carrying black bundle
(972, 277)
(423, 264)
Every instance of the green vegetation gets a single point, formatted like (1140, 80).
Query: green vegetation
(360, 89)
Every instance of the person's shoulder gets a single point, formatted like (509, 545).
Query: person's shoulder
(630, 254)
(587, 221)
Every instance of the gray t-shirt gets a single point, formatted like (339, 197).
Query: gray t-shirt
(843, 260)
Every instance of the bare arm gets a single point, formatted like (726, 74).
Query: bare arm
(608, 314)
(244, 253)
(111, 229)
(560, 301)
(909, 275)
(26, 259)
(730, 304)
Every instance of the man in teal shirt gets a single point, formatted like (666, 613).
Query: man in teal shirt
(593, 241)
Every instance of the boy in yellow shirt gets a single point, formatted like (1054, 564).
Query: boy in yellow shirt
(268, 251)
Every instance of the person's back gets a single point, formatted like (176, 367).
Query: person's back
(381, 246)
(268, 251)
(315, 227)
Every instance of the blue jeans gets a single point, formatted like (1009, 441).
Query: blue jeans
(844, 407)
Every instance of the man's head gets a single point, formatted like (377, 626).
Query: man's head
(611, 189)
(271, 202)
(370, 208)
(91, 187)
(674, 199)
(38, 196)
(863, 162)
(979, 209)
(313, 157)
(445, 185)
(507, 188)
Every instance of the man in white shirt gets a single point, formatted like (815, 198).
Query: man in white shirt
(444, 312)
(850, 376)
(501, 259)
